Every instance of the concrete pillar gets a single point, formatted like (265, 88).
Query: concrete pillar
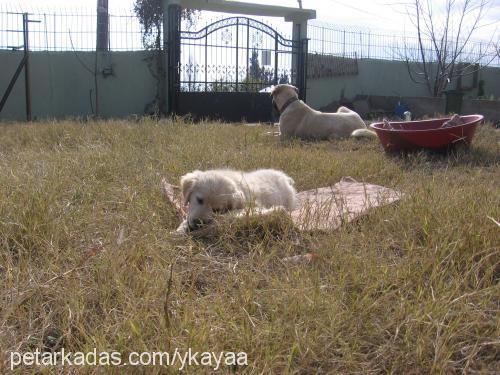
(169, 39)
(299, 33)
(166, 36)
(102, 43)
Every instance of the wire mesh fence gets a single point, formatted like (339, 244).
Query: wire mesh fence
(75, 29)
(365, 44)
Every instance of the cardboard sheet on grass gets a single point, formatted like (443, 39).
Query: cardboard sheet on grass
(323, 209)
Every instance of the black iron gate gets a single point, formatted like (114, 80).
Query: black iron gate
(226, 69)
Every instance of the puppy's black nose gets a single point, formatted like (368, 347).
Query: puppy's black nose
(196, 224)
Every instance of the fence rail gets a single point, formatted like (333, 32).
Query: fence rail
(76, 30)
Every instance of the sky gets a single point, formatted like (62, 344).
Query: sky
(376, 15)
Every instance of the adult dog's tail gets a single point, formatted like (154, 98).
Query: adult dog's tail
(363, 133)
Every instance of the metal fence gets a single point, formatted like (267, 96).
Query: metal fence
(75, 29)
(347, 41)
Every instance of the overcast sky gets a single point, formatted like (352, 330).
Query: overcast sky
(377, 15)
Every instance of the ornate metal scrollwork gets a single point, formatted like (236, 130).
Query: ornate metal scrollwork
(239, 21)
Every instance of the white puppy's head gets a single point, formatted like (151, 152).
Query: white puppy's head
(282, 93)
(207, 193)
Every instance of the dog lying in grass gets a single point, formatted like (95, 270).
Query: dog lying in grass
(299, 120)
(218, 191)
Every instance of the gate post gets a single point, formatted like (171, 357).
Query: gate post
(171, 43)
(299, 57)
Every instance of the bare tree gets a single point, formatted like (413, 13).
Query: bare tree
(443, 49)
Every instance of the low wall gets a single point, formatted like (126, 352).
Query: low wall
(375, 106)
(490, 109)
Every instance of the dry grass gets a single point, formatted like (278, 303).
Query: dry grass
(86, 253)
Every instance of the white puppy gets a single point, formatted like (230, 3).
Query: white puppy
(299, 120)
(222, 190)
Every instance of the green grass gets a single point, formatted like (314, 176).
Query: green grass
(86, 253)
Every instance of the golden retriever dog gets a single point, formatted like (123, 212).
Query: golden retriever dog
(299, 120)
(222, 190)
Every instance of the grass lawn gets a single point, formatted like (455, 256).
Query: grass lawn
(87, 259)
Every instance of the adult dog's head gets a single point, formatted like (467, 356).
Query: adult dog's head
(282, 94)
(207, 193)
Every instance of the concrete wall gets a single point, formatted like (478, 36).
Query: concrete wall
(385, 78)
(61, 86)
(490, 109)
(376, 77)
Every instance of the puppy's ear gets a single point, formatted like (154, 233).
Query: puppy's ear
(296, 89)
(187, 184)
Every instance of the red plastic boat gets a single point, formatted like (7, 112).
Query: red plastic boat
(428, 134)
